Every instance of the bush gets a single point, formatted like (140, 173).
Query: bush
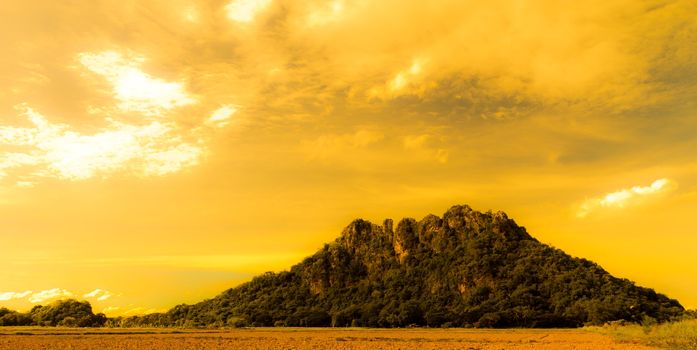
(237, 322)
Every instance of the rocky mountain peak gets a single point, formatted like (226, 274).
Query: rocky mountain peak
(458, 224)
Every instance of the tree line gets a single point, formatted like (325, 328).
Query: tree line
(66, 313)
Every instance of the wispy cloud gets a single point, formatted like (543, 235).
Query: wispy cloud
(49, 294)
(408, 81)
(111, 309)
(221, 116)
(54, 293)
(36, 297)
(5, 296)
(99, 294)
(624, 197)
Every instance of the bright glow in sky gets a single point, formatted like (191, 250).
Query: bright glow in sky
(166, 151)
(134, 89)
(245, 10)
(56, 150)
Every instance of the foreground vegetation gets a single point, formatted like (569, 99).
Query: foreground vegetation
(680, 335)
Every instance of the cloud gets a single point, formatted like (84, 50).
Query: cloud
(5, 296)
(120, 144)
(134, 89)
(111, 309)
(55, 293)
(410, 81)
(99, 294)
(625, 197)
(49, 294)
(221, 116)
(57, 150)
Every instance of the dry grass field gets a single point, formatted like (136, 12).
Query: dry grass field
(290, 338)
(680, 335)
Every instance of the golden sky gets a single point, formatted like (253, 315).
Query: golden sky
(158, 152)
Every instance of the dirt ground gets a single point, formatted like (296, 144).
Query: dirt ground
(293, 338)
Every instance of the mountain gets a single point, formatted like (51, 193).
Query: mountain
(466, 269)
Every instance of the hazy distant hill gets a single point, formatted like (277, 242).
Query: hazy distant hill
(465, 269)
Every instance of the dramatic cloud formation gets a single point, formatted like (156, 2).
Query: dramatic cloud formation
(147, 148)
(624, 197)
(268, 125)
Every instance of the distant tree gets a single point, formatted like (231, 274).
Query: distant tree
(13, 318)
(68, 312)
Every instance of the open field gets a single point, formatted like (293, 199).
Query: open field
(294, 338)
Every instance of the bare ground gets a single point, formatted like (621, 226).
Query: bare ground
(293, 338)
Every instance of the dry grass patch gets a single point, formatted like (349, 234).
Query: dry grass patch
(680, 335)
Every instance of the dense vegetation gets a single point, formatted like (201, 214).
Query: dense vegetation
(68, 313)
(679, 335)
(468, 269)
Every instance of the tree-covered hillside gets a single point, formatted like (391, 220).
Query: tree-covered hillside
(467, 269)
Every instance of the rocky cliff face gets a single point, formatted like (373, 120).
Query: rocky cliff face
(433, 233)
(467, 268)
